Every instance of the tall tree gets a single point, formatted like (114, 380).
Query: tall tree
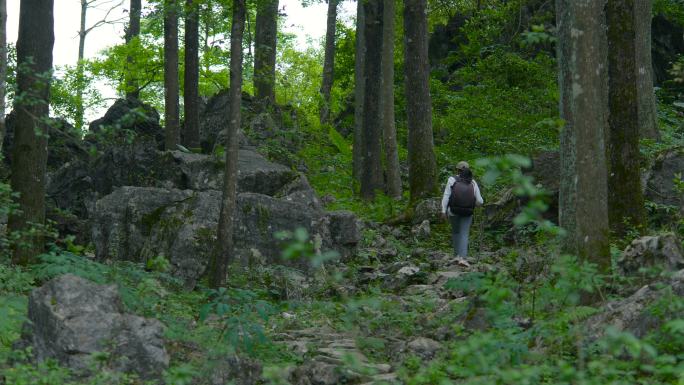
(3, 66)
(83, 32)
(359, 80)
(583, 87)
(328, 61)
(389, 129)
(29, 153)
(625, 199)
(421, 155)
(191, 90)
(132, 32)
(648, 118)
(171, 106)
(371, 177)
(224, 245)
(265, 51)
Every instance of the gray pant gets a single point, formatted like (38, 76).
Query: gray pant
(460, 227)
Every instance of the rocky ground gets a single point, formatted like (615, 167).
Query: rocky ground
(391, 297)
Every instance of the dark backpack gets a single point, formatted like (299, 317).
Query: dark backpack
(462, 199)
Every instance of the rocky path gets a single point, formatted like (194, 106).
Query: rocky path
(333, 358)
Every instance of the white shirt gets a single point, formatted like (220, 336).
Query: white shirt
(447, 194)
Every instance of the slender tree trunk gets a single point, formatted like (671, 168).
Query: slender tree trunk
(389, 128)
(171, 87)
(421, 155)
(648, 117)
(29, 154)
(265, 51)
(359, 81)
(80, 76)
(3, 66)
(328, 62)
(191, 135)
(625, 199)
(133, 31)
(582, 58)
(224, 247)
(371, 178)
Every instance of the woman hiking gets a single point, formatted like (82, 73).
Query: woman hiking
(461, 195)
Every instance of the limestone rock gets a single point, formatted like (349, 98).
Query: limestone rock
(428, 210)
(632, 314)
(425, 348)
(126, 117)
(139, 223)
(663, 250)
(235, 370)
(660, 187)
(70, 318)
(422, 231)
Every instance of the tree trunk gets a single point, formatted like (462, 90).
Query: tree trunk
(625, 199)
(171, 107)
(421, 155)
(328, 62)
(265, 51)
(224, 245)
(583, 88)
(133, 31)
(648, 117)
(3, 66)
(191, 135)
(29, 153)
(389, 128)
(359, 80)
(80, 77)
(371, 178)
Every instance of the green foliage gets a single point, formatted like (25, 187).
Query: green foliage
(301, 247)
(159, 264)
(57, 263)
(240, 314)
(180, 375)
(510, 168)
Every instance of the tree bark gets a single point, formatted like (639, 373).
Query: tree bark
(582, 59)
(224, 246)
(625, 199)
(328, 62)
(29, 153)
(191, 135)
(389, 128)
(371, 178)
(171, 87)
(359, 80)
(3, 66)
(421, 155)
(133, 31)
(265, 51)
(648, 117)
(80, 76)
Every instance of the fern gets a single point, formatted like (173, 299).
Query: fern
(58, 263)
(339, 142)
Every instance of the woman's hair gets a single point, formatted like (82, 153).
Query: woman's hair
(466, 175)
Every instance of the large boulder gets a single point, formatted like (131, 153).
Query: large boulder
(660, 185)
(663, 251)
(275, 126)
(139, 223)
(77, 184)
(125, 121)
(70, 318)
(64, 143)
(632, 314)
